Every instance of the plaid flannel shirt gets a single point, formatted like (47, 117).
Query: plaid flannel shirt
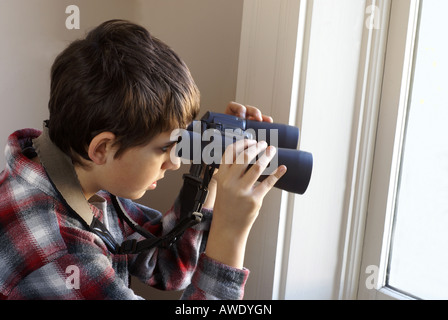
(47, 253)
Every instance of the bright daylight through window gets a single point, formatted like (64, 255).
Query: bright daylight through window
(419, 258)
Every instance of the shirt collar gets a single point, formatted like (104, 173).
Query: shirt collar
(60, 169)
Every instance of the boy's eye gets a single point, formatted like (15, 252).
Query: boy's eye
(167, 147)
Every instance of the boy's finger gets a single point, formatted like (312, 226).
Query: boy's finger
(267, 119)
(234, 150)
(263, 188)
(247, 156)
(255, 171)
(236, 109)
(253, 113)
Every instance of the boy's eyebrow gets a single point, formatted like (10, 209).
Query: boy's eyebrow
(169, 143)
(173, 138)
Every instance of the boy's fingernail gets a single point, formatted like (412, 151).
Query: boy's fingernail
(271, 151)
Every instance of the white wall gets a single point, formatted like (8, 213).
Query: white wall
(265, 79)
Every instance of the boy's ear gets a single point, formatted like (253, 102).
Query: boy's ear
(100, 148)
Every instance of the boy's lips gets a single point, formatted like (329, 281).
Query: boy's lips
(154, 184)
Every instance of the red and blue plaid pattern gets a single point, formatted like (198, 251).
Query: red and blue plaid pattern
(46, 252)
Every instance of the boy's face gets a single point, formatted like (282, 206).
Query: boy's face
(138, 169)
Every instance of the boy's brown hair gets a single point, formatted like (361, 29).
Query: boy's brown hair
(118, 79)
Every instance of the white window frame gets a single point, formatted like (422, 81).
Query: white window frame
(396, 83)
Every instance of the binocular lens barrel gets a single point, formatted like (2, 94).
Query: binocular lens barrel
(191, 146)
(285, 136)
(300, 167)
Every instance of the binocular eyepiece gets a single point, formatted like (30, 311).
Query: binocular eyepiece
(205, 142)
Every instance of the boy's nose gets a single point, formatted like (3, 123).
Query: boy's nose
(172, 163)
(176, 165)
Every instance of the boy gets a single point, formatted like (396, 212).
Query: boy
(115, 98)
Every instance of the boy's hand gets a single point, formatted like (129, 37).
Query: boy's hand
(239, 199)
(244, 112)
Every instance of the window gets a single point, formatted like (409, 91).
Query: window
(406, 235)
(418, 259)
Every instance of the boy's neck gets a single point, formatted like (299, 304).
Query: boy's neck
(86, 179)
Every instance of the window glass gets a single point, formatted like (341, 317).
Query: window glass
(418, 261)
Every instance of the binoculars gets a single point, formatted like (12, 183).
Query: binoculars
(205, 141)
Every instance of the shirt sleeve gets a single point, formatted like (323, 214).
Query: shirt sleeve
(213, 280)
(185, 266)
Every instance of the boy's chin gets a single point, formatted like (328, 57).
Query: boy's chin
(132, 196)
(137, 194)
